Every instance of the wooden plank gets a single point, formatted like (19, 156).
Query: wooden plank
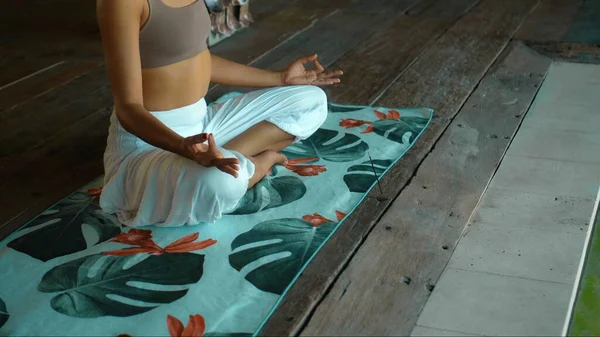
(55, 31)
(330, 37)
(35, 124)
(40, 177)
(442, 78)
(549, 21)
(568, 51)
(253, 42)
(432, 210)
(380, 59)
(42, 82)
(32, 123)
(586, 26)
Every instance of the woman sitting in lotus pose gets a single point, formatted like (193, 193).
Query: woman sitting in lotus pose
(170, 160)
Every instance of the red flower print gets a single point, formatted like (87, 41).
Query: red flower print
(379, 114)
(316, 219)
(137, 237)
(301, 160)
(369, 129)
(392, 114)
(187, 244)
(143, 240)
(352, 123)
(195, 327)
(340, 215)
(94, 192)
(306, 170)
(133, 237)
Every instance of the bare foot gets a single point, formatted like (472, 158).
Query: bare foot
(263, 164)
(280, 158)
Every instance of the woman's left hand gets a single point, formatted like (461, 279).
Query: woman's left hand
(297, 74)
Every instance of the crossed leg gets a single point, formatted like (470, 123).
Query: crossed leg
(253, 124)
(261, 144)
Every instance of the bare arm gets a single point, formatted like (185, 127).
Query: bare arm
(232, 73)
(119, 22)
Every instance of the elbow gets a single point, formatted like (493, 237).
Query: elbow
(124, 113)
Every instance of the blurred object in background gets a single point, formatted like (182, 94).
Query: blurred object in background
(227, 17)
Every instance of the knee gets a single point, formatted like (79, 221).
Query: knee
(314, 100)
(316, 97)
(224, 188)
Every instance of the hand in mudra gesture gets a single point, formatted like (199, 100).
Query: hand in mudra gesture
(208, 155)
(296, 73)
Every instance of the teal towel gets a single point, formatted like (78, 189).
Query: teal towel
(74, 270)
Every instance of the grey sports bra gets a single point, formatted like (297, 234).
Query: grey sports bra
(173, 34)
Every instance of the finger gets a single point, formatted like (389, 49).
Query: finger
(227, 169)
(331, 74)
(306, 59)
(318, 66)
(225, 161)
(212, 145)
(328, 81)
(233, 166)
(199, 138)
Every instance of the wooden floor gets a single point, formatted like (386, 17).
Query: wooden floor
(519, 254)
(478, 63)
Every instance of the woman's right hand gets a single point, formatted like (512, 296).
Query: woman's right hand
(208, 155)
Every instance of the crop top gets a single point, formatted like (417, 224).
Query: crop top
(173, 34)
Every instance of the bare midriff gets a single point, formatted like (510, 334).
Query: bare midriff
(176, 85)
(179, 84)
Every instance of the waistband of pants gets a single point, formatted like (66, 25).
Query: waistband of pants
(184, 116)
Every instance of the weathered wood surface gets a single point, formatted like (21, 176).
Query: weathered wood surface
(442, 78)
(38, 34)
(42, 82)
(549, 21)
(568, 51)
(586, 25)
(330, 37)
(250, 44)
(32, 123)
(45, 175)
(36, 122)
(432, 210)
(376, 63)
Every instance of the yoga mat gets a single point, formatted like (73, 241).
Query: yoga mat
(75, 271)
(583, 318)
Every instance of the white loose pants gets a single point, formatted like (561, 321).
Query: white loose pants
(145, 185)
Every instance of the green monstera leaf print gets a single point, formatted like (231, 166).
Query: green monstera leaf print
(103, 285)
(329, 145)
(3, 313)
(281, 247)
(60, 230)
(271, 192)
(361, 177)
(403, 130)
(339, 108)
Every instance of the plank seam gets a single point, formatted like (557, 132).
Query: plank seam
(31, 75)
(326, 292)
(426, 48)
(509, 42)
